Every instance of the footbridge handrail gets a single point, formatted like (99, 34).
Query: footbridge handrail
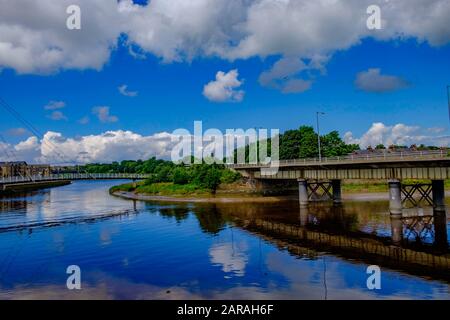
(72, 176)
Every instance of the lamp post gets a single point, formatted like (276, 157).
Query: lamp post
(448, 100)
(318, 133)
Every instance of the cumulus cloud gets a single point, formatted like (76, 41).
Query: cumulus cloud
(33, 37)
(224, 88)
(398, 134)
(278, 76)
(57, 116)
(105, 147)
(373, 81)
(54, 105)
(103, 115)
(27, 150)
(123, 89)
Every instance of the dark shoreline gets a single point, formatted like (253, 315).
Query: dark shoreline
(31, 186)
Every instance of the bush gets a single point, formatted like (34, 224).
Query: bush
(180, 176)
(229, 176)
(212, 179)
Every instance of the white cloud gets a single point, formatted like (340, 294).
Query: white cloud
(224, 88)
(105, 147)
(54, 105)
(27, 150)
(33, 37)
(292, 74)
(57, 116)
(103, 115)
(398, 134)
(373, 81)
(123, 89)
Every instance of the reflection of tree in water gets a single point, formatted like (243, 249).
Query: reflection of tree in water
(180, 213)
(209, 218)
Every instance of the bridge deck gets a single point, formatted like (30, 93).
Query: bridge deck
(378, 159)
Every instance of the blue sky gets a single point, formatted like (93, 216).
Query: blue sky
(413, 71)
(170, 95)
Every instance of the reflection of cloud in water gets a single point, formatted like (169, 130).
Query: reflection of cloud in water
(82, 198)
(307, 281)
(106, 234)
(231, 257)
(108, 287)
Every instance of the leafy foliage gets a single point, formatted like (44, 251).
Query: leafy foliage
(303, 143)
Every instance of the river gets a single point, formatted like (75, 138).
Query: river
(141, 250)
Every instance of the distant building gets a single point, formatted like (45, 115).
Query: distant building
(22, 169)
(14, 168)
(39, 170)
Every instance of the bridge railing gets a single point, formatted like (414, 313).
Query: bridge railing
(71, 176)
(358, 158)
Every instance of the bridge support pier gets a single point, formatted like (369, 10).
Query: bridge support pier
(303, 192)
(337, 194)
(395, 197)
(438, 195)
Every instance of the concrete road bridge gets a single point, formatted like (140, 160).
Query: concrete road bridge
(321, 178)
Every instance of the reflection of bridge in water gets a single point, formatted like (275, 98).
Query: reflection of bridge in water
(417, 244)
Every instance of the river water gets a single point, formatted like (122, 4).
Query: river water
(140, 250)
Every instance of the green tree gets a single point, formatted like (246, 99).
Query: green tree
(212, 178)
(180, 176)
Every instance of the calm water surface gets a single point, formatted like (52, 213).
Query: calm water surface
(140, 250)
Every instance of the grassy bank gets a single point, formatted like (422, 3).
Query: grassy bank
(163, 189)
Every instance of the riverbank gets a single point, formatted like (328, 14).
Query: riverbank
(203, 198)
(363, 196)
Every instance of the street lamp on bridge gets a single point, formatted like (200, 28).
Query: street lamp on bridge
(448, 100)
(318, 133)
